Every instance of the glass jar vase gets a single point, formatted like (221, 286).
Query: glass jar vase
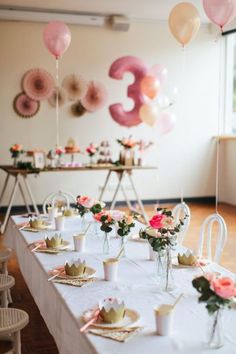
(215, 333)
(164, 270)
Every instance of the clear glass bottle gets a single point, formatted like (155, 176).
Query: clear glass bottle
(215, 333)
(106, 243)
(164, 270)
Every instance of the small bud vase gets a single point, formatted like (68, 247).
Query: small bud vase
(106, 243)
(122, 245)
(164, 270)
(215, 333)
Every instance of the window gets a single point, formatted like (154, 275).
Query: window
(230, 85)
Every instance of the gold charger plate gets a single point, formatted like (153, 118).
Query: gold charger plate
(131, 316)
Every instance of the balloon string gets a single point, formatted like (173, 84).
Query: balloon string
(57, 101)
(183, 95)
(218, 129)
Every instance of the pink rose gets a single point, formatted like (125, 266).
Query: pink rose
(99, 215)
(86, 202)
(157, 221)
(224, 287)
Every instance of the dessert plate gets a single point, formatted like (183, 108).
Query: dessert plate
(89, 273)
(131, 316)
(43, 247)
(200, 263)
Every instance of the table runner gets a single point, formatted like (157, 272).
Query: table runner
(62, 306)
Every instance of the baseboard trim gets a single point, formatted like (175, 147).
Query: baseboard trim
(203, 200)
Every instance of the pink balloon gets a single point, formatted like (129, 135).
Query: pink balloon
(160, 72)
(220, 12)
(166, 122)
(56, 38)
(136, 67)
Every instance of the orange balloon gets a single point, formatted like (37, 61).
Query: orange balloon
(150, 86)
(184, 22)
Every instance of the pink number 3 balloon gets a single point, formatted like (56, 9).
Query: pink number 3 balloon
(139, 70)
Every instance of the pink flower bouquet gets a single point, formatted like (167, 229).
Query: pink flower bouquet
(59, 151)
(92, 149)
(16, 150)
(217, 292)
(162, 231)
(127, 143)
(84, 204)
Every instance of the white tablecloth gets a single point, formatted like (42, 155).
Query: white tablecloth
(62, 306)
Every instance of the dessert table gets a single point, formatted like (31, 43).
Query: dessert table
(21, 183)
(62, 306)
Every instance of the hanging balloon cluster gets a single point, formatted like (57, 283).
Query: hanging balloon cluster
(57, 38)
(144, 91)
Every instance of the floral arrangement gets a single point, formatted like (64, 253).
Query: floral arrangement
(162, 231)
(16, 150)
(85, 204)
(106, 219)
(59, 151)
(127, 143)
(216, 292)
(92, 149)
(125, 225)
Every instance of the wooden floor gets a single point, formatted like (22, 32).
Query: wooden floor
(36, 338)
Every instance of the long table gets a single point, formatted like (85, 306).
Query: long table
(62, 306)
(21, 183)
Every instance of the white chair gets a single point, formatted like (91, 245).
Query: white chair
(5, 254)
(12, 321)
(6, 283)
(206, 233)
(59, 199)
(182, 211)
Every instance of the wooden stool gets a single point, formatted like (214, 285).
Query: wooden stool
(12, 321)
(5, 254)
(6, 283)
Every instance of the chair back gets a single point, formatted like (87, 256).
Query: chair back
(59, 199)
(182, 211)
(206, 234)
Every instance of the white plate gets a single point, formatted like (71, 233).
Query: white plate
(131, 316)
(64, 246)
(89, 273)
(202, 263)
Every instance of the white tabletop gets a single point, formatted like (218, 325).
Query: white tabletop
(62, 306)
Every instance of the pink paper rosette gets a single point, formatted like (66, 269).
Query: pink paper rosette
(95, 97)
(75, 86)
(24, 106)
(61, 97)
(38, 84)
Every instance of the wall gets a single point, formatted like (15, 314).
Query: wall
(183, 157)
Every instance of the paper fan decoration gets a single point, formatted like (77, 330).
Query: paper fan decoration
(61, 97)
(75, 86)
(38, 84)
(24, 106)
(77, 109)
(95, 97)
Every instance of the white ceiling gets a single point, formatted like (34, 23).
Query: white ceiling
(139, 9)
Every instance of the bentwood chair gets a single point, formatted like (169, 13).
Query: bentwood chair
(6, 283)
(206, 233)
(59, 199)
(5, 254)
(182, 211)
(12, 321)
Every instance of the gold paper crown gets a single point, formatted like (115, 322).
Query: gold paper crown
(75, 268)
(112, 310)
(36, 223)
(187, 258)
(54, 242)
